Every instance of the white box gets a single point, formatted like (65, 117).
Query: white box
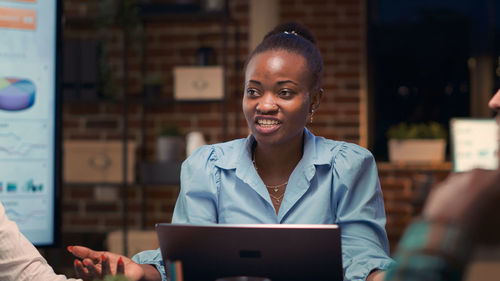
(423, 151)
(198, 82)
(97, 161)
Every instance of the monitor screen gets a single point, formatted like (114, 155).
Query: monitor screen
(29, 116)
(474, 143)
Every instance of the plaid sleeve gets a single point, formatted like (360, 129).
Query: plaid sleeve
(431, 251)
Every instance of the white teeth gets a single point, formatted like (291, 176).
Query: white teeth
(267, 122)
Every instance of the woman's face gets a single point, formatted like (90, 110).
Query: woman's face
(278, 96)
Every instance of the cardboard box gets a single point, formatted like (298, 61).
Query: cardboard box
(97, 161)
(198, 83)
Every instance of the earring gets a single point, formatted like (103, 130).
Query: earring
(311, 117)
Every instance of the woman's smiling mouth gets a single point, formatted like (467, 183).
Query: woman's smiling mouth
(267, 126)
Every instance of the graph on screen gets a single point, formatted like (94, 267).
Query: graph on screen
(29, 122)
(23, 140)
(16, 94)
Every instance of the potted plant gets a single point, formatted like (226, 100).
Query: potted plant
(170, 144)
(417, 143)
(152, 86)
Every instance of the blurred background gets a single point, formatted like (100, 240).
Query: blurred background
(135, 72)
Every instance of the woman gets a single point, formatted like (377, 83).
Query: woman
(282, 173)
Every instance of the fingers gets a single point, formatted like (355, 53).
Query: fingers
(106, 269)
(84, 252)
(81, 271)
(93, 270)
(120, 266)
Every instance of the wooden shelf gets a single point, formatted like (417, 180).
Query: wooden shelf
(389, 166)
(167, 173)
(166, 12)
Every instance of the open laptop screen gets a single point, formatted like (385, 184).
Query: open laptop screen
(474, 143)
(274, 251)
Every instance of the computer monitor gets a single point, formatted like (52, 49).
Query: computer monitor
(30, 116)
(274, 251)
(474, 143)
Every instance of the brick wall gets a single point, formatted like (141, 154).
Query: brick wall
(339, 28)
(174, 41)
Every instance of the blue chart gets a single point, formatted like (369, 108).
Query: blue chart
(30, 213)
(23, 218)
(23, 140)
(16, 94)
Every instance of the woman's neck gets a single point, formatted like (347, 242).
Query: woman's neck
(276, 163)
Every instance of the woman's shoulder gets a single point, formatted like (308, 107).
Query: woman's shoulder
(218, 152)
(340, 148)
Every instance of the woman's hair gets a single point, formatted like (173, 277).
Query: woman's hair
(295, 38)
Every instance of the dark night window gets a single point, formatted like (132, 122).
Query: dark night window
(428, 60)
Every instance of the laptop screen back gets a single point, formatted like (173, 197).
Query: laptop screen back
(474, 143)
(277, 252)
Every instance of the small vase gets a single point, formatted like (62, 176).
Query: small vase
(169, 148)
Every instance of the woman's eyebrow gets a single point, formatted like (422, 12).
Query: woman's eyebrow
(254, 81)
(287, 81)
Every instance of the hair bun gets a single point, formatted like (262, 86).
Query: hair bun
(293, 27)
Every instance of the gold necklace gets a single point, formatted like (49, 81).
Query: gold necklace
(276, 187)
(273, 187)
(277, 198)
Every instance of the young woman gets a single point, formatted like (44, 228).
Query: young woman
(282, 173)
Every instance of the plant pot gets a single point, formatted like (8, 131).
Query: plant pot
(423, 151)
(169, 148)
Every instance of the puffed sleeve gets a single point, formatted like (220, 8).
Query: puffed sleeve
(360, 212)
(197, 201)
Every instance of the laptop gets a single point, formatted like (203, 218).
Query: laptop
(474, 143)
(274, 251)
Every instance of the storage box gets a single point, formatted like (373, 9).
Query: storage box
(424, 151)
(198, 83)
(97, 161)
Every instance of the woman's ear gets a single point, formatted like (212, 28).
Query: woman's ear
(316, 96)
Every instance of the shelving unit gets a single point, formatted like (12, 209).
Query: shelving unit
(151, 173)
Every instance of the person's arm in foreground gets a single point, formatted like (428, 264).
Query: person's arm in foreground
(437, 246)
(19, 259)
(96, 264)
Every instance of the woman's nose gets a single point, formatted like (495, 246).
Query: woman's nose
(267, 103)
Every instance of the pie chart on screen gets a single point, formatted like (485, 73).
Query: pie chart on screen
(16, 93)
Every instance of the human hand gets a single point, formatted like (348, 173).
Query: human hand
(98, 264)
(469, 200)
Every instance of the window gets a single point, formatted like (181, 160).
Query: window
(429, 60)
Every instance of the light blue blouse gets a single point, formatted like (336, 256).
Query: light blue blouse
(334, 183)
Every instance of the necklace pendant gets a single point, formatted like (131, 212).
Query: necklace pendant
(277, 200)
(275, 190)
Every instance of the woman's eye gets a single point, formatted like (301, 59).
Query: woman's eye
(286, 93)
(251, 92)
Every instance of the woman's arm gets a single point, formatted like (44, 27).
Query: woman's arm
(360, 213)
